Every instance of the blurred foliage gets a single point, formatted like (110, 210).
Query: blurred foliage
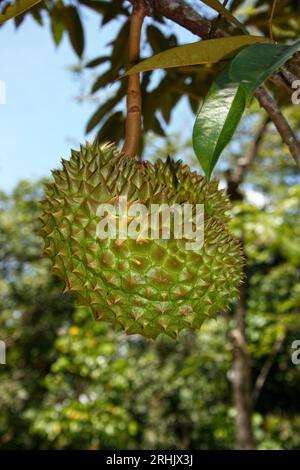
(161, 91)
(71, 382)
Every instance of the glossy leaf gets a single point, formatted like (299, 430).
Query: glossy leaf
(203, 52)
(19, 7)
(217, 6)
(256, 63)
(217, 120)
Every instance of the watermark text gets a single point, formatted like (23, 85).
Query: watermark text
(2, 352)
(296, 353)
(120, 220)
(296, 94)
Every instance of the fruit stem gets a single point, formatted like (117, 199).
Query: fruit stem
(134, 99)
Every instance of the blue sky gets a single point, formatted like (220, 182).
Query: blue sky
(42, 119)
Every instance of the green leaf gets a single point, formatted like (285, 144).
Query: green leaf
(217, 120)
(108, 10)
(57, 29)
(203, 52)
(167, 105)
(96, 5)
(217, 6)
(57, 23)
(105, 109)
(157, 127)
(256, 63)
(18, 20)
(19, 7)
(35, 12)
(120, 45)
(103, 80)
(74, 27)
(112, 129)
(95, 62)
(156, 39)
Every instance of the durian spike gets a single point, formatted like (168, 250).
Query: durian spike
(134, 99)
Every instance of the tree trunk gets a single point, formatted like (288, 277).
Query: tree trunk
(241, 369)
(242, 377)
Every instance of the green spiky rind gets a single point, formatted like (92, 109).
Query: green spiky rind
(147, 287)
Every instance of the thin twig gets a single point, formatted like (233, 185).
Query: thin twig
(252, 151)
(289, 76)
(263, 375)
(224, 5)
(271, 19)
(218, 18)
(287, 134)
(134, 99)
(235, 179)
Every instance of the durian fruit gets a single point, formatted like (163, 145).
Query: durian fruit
(143, 286)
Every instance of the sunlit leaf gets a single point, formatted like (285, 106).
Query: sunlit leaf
(19, 7)
(202, 52)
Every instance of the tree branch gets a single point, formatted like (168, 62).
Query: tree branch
(241, 377)
(273, 8)
(234, 180)
(287, 134)
(289, 77)
(184, 15)
(262, 377)
(134, 99)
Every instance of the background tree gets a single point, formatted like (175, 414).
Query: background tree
(269, 298)
(74, 383)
